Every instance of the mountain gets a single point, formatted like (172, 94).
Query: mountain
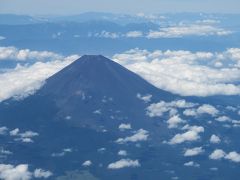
(98, 112)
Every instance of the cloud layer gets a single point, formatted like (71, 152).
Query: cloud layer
(187, 73)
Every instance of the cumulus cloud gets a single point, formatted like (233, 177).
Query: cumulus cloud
(87, 163)
(215, 139)
(158, 109)
(19, 172)
(146, 98)
(191, 135)
(24, 137)
(105, 34)
(207, 109)
(174, 121)
(40, 173)
(123, 163)
(140, 135)
(25, 80)
(124, 127)
(3, 130)
(203, 109)
(12, 53)
(233, 156)
(194, 151)
(203, 28)
(217, 154)
(223, 119)
(220, 154)
(122, 153)
(191, 163)
(186, 73)
(62, 153)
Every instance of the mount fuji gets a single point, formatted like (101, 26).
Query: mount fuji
(95, 119)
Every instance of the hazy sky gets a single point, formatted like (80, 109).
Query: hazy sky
(117, 6)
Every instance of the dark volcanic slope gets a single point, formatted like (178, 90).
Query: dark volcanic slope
(95, 83)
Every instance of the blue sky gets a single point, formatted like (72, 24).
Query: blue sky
(123, 6)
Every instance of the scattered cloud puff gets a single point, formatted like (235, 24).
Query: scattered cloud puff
(3, 130)
(203, 109)
(174, 121)
(12, 53)
(122, 153)
(124, 127)
(158, 109)
(192, 164)
(194, 151)
(191, 135)
(63, 153)
(198, 29)
(217, 154)
(25, 137)
(105, 34)
(140, 135)
(215, 139)
(223, 119)
(25, 80)
(87, 163)
(146, 98)
(233, 156)
(220, 154)
(21, 172)
(40, 173)
(207, 109)
(123, 163)
(186, 73)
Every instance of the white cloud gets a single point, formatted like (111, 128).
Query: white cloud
(157, 109)
(123, 163)
(215, 139)
(198, 29)
(223, 119)
(122, 153)
(191, 135)
(62, 153)
(12, 53)
(24, 137)
(217, 154)
(25, 80)
(87, 163)
(14, 132)
(190, 112)
(105, 34)
(3, 130)
(191, 163)
(146, 98)
(134, 34)
(140, 135)
(207, 109)
(19, 172)
(194, 151)
(40, 173)
(186, 73)
(174, 121)
(124, 127)
(233, 156)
